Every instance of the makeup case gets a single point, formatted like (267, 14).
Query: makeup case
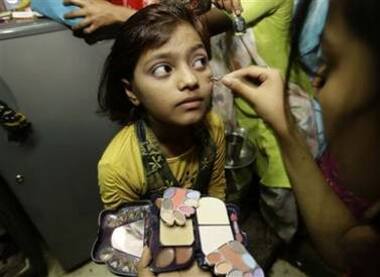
(124, 231)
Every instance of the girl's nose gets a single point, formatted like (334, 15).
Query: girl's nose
(187, 79)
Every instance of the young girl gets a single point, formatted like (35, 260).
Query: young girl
(158, 83)
(339, 197)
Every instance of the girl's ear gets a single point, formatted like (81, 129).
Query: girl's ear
(131, 95)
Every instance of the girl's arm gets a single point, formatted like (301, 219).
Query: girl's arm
(327, 218)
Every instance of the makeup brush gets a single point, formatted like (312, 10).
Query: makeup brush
(235, 226)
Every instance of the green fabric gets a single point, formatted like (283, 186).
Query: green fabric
(270, 23)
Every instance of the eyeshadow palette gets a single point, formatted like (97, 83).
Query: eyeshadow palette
(232, 259)
(217, 225)
(122, 234)
(210, 230)
(178, 204)
(172, 247)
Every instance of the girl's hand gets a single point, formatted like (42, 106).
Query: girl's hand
(96, 14)
(231, 6)
(144, 271)
(263, 89)
(143, 266)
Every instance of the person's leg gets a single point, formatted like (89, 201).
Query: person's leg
(20, 230)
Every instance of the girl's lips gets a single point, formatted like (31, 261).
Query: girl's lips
(191, 103)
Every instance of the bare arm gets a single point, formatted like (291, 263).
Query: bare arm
(330, 224)
(325, 215)
(97, 13)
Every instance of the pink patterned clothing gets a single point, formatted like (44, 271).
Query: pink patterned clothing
(357, 205)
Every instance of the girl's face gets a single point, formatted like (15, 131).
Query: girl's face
(173, 82)
(348, 91)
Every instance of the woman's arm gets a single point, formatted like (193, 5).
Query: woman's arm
(97, 14)
(100, 13)
(326, 217)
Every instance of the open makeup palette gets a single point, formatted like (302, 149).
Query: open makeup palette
(122, 234)
(186, 228)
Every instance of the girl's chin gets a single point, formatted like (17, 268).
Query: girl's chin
(191, 119)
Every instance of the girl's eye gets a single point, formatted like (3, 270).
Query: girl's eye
(200, 62)
(162, 70)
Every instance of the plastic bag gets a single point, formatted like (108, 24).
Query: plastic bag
(55, 9)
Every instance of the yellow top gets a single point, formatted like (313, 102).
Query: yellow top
(121, 174)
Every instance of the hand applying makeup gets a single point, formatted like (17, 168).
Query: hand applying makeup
(263, 89)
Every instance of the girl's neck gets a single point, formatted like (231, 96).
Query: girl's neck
(173, 139)
(357, 151)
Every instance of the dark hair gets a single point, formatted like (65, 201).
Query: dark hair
(299, 19)
(361, 19)
(150, 27)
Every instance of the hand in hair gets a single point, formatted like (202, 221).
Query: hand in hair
(96, 14)
(230, 6)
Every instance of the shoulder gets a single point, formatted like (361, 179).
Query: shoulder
(120, 171)
(122, 157)
(122, 145)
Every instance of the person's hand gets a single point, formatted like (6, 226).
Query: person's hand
(263, 89)
(144, 271)
(194, 270)
(230, 6)
(96, 14)
(143, 266)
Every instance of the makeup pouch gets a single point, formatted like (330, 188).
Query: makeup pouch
(122, 234)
